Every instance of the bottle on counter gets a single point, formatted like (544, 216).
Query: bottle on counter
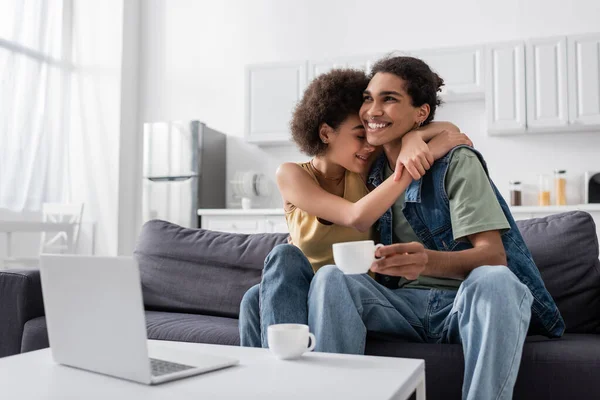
(515, 193)
(544, 190)
(560, 187)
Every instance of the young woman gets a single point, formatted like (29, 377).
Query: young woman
(326, 199)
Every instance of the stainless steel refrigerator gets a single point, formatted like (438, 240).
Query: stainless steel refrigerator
(184, 170)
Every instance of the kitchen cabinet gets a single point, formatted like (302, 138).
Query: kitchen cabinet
(539, 85)
(272, 91)
(547, 95)
(505, 96)
(244, 221)
(584, 80)
(364, 63)
(234, 224)
(276, 224)
(461, 68)
(556, 88)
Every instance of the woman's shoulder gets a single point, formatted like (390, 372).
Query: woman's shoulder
(295, 173)
(290, 170)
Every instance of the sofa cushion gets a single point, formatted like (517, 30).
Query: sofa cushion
(565, 250)
(35, 335)
(160, 326)
(20, 301)
(562, 368)
(199, 271)
(192, 328)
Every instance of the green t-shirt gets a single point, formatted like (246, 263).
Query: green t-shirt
(474, 208)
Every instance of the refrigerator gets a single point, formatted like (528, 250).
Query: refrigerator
(184, 169)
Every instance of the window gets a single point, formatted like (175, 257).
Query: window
(35, 75)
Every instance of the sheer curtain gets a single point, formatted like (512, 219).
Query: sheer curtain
(35, 75)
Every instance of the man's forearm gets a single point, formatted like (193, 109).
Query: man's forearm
(458, 264)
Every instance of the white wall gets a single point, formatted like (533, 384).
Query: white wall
(130, 165)
(194, 52)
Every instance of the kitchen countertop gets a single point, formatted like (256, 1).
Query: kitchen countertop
(555, 209)
(517, 209)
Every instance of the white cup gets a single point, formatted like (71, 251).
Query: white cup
(246, 203)
(355, 257)
(289, 341)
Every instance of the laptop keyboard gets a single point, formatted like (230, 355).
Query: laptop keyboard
(161, 367)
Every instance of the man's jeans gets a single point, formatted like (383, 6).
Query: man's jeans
(281, 297)
(489, 315)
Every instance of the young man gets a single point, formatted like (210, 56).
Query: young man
(456, 269)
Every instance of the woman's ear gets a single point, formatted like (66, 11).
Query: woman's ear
(325, 133)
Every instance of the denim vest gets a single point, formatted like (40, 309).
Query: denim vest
(427, 210)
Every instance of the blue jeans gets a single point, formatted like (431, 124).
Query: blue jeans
(489, 315)
(281, 297)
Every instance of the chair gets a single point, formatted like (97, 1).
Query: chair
(58, 242)
(54, 242)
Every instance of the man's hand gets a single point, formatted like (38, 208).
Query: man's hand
(446, 141)
(401, 259)
(414, 155)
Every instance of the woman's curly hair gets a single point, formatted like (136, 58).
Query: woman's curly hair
(330, 98)
(422, 84)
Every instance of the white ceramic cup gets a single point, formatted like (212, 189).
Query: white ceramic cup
(246, 203)
(289, 341)
(355, 257)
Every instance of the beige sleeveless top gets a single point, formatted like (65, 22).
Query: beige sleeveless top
(315, 236)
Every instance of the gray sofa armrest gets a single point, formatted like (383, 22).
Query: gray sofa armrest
(20, 301)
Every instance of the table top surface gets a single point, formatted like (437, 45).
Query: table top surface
(34, 226)
(259, 375)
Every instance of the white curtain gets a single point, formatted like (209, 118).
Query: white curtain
(35, 74)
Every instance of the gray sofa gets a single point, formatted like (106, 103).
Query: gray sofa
(193, 281)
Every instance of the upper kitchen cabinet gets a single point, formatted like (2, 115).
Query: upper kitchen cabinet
(505, 88)
(272, 91)
(461, 68)
(316, 68)
(562, 81)
(584, 80)
(547, 95)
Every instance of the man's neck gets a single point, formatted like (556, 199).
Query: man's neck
(392, 151)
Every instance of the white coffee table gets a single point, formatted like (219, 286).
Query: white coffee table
(258, 376)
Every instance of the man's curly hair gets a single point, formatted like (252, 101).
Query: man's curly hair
(421, 83)
(330, 98)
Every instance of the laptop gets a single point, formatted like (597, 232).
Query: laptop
(95, 319)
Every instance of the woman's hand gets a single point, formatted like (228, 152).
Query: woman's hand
(446, 141)
(415, 156)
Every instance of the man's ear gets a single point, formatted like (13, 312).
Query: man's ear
(423, 113)
(325, 133)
